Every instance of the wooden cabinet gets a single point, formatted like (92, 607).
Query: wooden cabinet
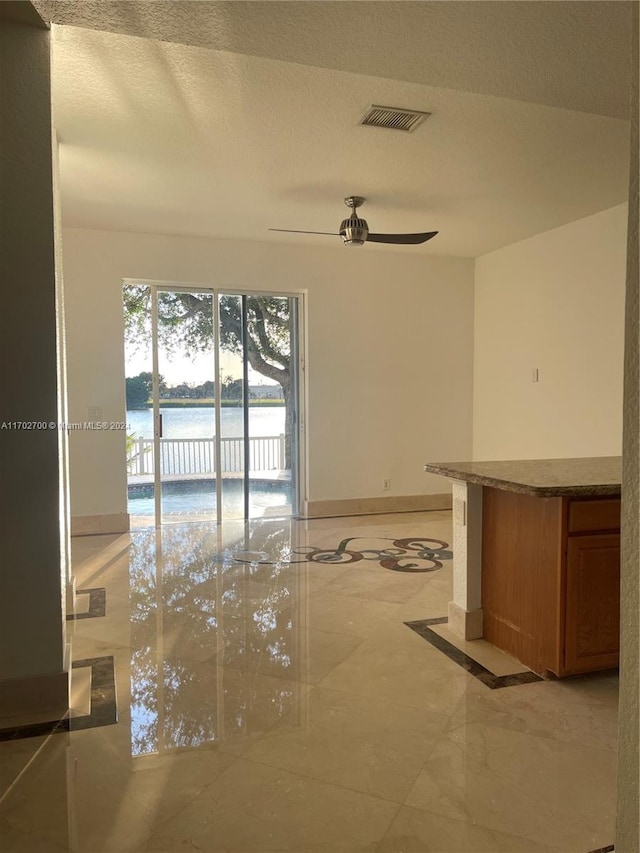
(589, 516)
(551, 580)
(592, 621)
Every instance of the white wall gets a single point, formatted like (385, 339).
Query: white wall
(553, 302)
(390, 349)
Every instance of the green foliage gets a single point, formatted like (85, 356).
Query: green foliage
(185, 323)
(231, 389)
(132, 441)
(138, 389)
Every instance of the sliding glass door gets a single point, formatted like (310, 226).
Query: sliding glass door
(224, 404)
(183, 332)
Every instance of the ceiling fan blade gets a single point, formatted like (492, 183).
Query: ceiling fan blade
(404, 239)
(293, 231)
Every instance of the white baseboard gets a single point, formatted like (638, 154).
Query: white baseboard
(375, 506)
(92, 525)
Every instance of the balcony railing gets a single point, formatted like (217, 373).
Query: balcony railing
(198, 455)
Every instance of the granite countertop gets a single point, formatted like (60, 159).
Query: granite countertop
(591, 476)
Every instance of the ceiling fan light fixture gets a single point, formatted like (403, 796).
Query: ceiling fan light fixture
(354, 231)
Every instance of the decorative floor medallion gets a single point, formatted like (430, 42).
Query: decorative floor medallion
(413, 554)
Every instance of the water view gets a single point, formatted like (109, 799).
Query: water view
(187, 462)
(200, 422)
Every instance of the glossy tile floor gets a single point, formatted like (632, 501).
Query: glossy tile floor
(270, 698)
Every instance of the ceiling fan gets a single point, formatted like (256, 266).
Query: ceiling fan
(355, 231)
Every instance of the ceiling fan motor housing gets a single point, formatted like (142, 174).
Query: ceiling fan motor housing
(354, 231)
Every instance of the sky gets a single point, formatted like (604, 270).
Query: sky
(192, 370)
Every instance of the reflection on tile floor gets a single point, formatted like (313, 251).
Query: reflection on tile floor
(266, 705)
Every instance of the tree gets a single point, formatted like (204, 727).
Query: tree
(181, 391)
(138, 390)
(231, 389)
(185, 321)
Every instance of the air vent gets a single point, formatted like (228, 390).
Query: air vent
(393, 118)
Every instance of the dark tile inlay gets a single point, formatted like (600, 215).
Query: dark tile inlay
(103, 705)
(412, 554)
(97, 603)
(474, 668)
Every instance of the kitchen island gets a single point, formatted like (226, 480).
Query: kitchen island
(536, 559)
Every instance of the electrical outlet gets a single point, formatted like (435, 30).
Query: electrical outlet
(386, 484)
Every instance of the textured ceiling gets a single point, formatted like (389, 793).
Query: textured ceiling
(560, 53)
(169, 138)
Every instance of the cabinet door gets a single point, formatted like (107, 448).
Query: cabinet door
(592, 627)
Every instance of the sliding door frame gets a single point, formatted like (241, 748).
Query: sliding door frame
(299, 395)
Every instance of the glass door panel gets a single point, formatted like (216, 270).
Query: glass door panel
(184, 396)
(292, 426)
(271, 382)
(138, 365)
(233, 406)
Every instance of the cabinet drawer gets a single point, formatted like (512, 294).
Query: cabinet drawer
(587, 516)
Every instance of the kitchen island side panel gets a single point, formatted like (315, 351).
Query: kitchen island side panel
(522, 576)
